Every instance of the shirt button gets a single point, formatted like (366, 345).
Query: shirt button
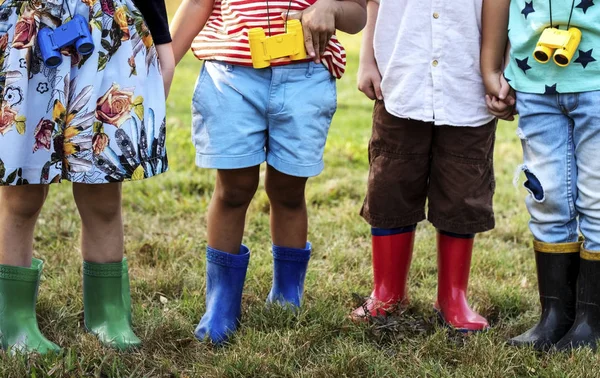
(434, 63)
(436, 15)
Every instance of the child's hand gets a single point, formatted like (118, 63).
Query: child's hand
(167, 65)
(318, 25)
(500, 97)
(369, 80)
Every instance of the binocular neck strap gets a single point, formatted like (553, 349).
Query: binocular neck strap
(570, 14)
(68, 8)
(286, 16)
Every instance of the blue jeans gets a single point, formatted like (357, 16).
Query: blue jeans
(560, 136)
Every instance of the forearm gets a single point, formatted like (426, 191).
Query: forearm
(507, 54)
(367, 53)
(165, 55)
(190, 18)
(494, 35)
(351, 15)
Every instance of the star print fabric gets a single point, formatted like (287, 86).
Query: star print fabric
(528, 19)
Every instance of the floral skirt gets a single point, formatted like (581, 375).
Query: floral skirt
(95, 118)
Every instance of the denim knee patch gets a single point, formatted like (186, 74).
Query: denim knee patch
(533, 185)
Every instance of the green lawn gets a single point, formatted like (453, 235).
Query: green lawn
(165, 240)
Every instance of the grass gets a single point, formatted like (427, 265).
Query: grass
(165, 241)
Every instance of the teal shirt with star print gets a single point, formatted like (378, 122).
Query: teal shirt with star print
(528, 19)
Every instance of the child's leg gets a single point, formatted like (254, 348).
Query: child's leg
(226, 258)
(399, 164)
(19, 273)
(230, 134)
(234, 190)
(289, 222)
(546, 133)
(585, 330)
(102, 225)
(302, 102)
(461, 187)
(20, 207)
(106, 299)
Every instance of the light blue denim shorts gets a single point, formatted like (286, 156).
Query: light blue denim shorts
(242, 117)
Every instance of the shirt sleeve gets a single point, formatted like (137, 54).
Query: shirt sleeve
(155, 14)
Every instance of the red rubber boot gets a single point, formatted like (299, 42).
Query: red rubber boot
(454, 264)
(392, 254)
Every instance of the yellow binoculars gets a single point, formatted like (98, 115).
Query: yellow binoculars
(264, 49)
(561, 44)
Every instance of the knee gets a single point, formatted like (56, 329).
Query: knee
(236, 195)
(102, 202)
(287, 195)
(24, 202)
(534, 186)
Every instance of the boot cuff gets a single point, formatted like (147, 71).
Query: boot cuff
(573, 247)
(589, 255)
(103, 270)
(19, 273)
(292, 254)
(228, 259)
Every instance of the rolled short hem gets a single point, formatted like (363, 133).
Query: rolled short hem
(230, 162)
(393, 222)
(296, 170)
(462, 228)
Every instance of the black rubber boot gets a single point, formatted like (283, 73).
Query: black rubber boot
(557, 271)
(585, 332)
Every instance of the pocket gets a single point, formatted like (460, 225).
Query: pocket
(198, 88)
(333, 82)
(329, 90)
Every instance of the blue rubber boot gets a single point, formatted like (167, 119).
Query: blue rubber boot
(225, 276)
(289, 271)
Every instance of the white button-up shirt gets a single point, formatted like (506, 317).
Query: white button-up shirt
(428, 54)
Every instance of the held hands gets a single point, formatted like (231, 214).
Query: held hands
(318, 24)
(500, 97)
(369, 80)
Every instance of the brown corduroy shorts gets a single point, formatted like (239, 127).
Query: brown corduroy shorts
(412, 162)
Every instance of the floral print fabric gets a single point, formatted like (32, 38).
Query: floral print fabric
(94, 119)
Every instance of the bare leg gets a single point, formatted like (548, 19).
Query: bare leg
(106, 298)
(234, 190)
(20, 207)
(102, 225)
(289, 220)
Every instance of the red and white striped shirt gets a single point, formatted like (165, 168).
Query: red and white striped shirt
(225, 35)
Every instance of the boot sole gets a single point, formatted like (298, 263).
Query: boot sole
(532, 345)
(465, 331)
(368, 318)
(130, 348)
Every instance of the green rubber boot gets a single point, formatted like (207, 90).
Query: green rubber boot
(126, 290)
(19, 331)
(106, 314)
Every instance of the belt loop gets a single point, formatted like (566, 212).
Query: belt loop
(229, 67)
(310, 69)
